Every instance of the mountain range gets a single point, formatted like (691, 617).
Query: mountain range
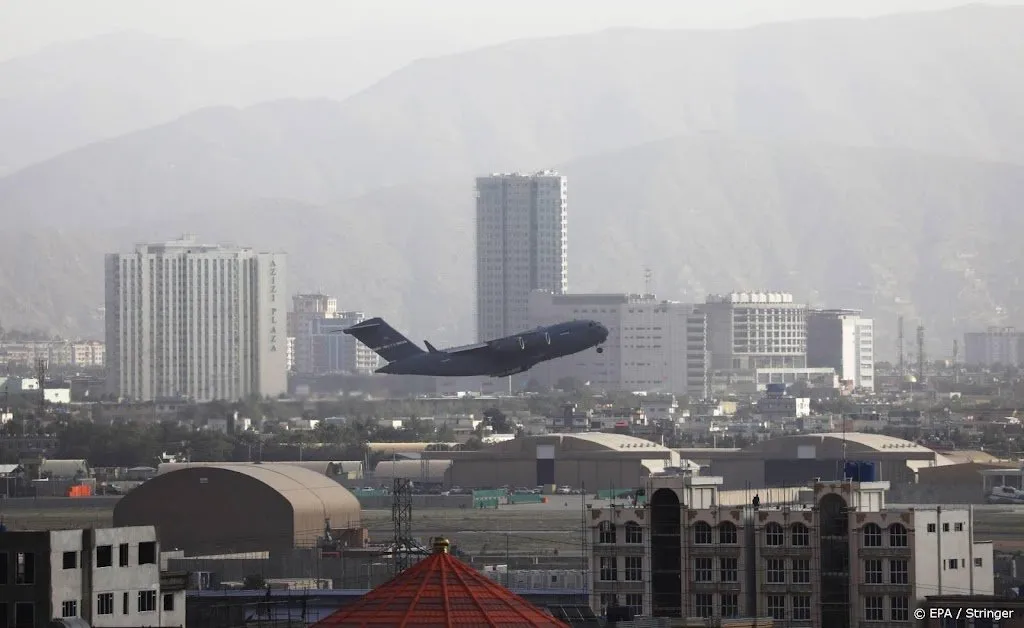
(873, 163)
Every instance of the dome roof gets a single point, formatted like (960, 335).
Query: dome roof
(440, 591)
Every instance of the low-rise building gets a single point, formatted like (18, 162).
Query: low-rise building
(839, 558)
(107, 577)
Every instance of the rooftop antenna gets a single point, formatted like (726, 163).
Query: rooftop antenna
(956, 354)
(920, 354)
(647, 280)
(899, 347)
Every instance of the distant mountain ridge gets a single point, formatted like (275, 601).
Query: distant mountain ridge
(800, 156)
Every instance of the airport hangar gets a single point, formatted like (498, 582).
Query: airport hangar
(234, 508)
(591, 460)
(797, 459)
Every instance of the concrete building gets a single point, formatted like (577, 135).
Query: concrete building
(595, 460)
(653, 345)
(320, 348)
(996, 345)
(521, 245)
(108, 577)
(840, 559)
(185, 319)
(258, 508)
(844, 341)
(753, 330)
(790, 460)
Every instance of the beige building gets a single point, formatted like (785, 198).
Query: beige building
(319, 346)
(839, 559)
(754, 330)
(203, 322)
(653, 345)
(843, 340)
(592, 460)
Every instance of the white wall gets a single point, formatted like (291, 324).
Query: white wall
(936, 549)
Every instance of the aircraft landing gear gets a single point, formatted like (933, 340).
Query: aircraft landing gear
(600, 349)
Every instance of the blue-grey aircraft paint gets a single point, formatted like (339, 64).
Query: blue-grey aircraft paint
(495, 358)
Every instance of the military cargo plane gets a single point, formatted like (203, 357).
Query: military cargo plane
(494, 358)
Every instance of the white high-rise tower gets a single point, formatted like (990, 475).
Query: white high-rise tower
(197, 321)
(521, 246)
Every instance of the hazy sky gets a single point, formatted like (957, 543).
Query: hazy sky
(27, 25)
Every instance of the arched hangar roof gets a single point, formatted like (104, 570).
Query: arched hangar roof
(324, 467)
(227, 508)
(859, 441)
(585, 440)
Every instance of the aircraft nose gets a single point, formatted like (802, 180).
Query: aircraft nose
(603, 331)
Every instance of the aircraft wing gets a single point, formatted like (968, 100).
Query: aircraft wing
(480, 346)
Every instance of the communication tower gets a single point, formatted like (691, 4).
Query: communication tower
(920, 354)
(403, 547)
(899, 347)
(41, 378)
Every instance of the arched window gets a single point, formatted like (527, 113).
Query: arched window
(872, 535)
(606, 532)
(801, 536)
(634, 533)
(898, 535)
(774, 535)
(701, 533)
(727, 533)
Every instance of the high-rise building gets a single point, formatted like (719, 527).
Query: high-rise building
(521, 246)
(996, 345)
(320, 348)
(198, 321)
(756, 330)
(652, 345)
(839, 558)
(842, 340)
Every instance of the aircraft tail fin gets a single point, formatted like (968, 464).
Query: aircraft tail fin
(383, 339)
(430, 347)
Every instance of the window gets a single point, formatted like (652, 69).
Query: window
(801, 535)
(105, 604)
(801, 608)
(609, 569)
(701, 533)
(727, 533)
(124, 603)
(776, 571)
(899, 608)
(898, 535)
(70, 562)
(728, 568)
(953, 563)
(122, 553)
(702, 570)
(634, 533)
(606, 532)
(69, 608)
(25, 568)
(24, 614)
(4, 567)
(608, 600)
(168, 601)
(872, 535)
(147, 553)
(730, 605)
(773, 535)
(777, 606)
(801, 573)
(872, 571)
(958, 527)
(931, 527)
(978, 562)
(147, 601)
(704, 605)
(635, 602)
(898, 572)
(634, 568)
(873, 610)
(104, 556)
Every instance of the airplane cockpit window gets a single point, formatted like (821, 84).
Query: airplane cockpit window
(592, 324)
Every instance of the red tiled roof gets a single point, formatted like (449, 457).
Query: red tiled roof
(440, 591)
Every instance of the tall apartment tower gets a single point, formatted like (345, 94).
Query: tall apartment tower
(521, 246)
(204, 322)
(842, 340)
